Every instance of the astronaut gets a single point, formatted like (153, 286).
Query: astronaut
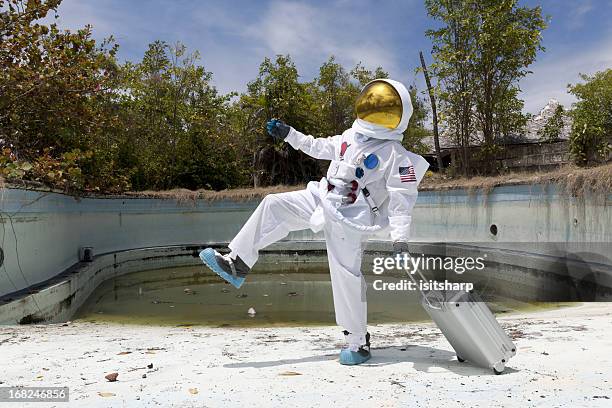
(370, 189)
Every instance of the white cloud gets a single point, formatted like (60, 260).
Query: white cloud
(553, 72)
(311, 34)
(74, 15)
(578, 13)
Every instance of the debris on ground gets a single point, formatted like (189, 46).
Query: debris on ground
(112, 377)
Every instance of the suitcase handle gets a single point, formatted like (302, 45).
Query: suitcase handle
(423, 294)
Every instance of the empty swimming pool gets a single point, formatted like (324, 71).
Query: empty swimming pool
(193, 296)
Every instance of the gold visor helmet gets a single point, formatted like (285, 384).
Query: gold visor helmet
(380, 103)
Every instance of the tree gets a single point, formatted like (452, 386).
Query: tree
(453, 50)
(416, 131)
(175, 126)
(277, 93)
(56, 93)
(336, 95)
(480, 53)
(592, 114)
(553, 126)
(49, 79)
(364, 75)
(508, 38)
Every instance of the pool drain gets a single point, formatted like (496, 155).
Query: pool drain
(493, 229)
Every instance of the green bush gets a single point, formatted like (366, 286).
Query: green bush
(592, 114)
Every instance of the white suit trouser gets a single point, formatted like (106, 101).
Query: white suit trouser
(279, 214)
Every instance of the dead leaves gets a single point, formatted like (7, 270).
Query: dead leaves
(289, 373)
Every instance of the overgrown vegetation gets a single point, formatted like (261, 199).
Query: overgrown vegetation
(56, 89)
(591, 136)
(72, 117)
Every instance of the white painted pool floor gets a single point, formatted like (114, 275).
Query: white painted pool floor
(564, 359)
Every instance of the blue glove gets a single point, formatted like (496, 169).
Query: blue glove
(277, 129)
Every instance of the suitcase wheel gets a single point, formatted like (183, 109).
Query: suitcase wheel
(461, 360)
(499, 367)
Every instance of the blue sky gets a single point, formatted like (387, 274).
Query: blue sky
(233, 37)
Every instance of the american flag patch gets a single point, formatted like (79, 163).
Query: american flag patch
(407, 174)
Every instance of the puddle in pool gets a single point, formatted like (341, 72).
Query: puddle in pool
(186, 296)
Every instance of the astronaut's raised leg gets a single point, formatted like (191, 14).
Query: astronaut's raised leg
(274, 218)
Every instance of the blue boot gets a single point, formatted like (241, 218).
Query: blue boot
(348, 357)
(232, 271)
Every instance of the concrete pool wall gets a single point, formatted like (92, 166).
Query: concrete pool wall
(43, 231)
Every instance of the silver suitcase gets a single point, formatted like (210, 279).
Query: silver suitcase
(470, 328)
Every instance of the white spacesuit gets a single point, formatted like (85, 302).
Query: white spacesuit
(370, 188)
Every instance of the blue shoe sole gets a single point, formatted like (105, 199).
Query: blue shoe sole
(348, 357)
(208, 257)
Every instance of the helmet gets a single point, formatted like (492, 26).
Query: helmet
(380, 104)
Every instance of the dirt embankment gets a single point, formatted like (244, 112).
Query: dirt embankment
(574, 181)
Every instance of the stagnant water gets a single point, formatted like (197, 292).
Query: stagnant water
(187, 296)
